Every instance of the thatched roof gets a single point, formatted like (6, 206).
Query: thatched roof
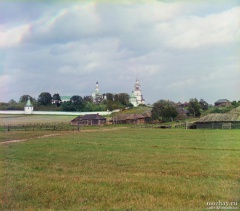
(124, 117)
(89, 117)
(120, 117)
(93, 117)
(222, 101)
(235, 110)
(79, 118)
(220, 118)
(147, 114)
(135, 116)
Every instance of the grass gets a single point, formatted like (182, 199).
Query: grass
(137, 110)
(6, 119)
(123, 169)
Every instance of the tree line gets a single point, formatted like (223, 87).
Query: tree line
(46, 101)
(164, 110)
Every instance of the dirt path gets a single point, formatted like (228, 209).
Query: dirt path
(49, 135)
(20, 140)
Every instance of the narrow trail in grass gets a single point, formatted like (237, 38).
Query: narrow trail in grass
(20, 140)
(58, 134)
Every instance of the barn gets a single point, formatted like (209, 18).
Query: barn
(130, 119)
(219, 121)
(89, 119)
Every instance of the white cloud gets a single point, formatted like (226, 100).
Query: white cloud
(72, 23)
(67, 47)
(13, 36)
(193, 32)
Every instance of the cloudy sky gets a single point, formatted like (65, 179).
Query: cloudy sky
(178, 49)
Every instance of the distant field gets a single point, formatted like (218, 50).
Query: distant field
(26, 119)
(121, 168)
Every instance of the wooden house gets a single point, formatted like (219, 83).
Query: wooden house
(219, 121)
(182, 113)
(120, 119)
(89, 119)
(222, 103)
(135, 119)
(130, 119)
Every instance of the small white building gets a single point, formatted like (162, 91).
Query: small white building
(28, 107)
(136, 98)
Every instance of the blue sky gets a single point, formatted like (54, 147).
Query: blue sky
(178, 49)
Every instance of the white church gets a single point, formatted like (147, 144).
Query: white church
(96, 95)
(136, 97)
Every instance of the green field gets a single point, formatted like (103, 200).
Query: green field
(118, 168)
(6, 119)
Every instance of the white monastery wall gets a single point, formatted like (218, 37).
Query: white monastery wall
(58, 113)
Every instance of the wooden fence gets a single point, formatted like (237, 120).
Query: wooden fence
(55, 126)
(164, 126)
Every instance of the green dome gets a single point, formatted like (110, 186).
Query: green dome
(29, 104)
(132, 95)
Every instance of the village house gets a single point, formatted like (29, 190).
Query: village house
(222, 103)
(89, 119)
(131, 119)
(219, 121)
(179, 104)
(182, 113)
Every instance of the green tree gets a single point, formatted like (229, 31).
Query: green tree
(116, 98)
(163, 110)
(57, 99)
(45, 98)
(203, 104)
(194, 107)
(111, 105)
(68, 106)
(24, 99)
(235, 103)
(110, 96)
(77, 102)
(88, 99)
(123, 98)
(13, 105)
(12, 101)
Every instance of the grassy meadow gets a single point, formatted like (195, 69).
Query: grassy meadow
(6, 119)
(119, 168)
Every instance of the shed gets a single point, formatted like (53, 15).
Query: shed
(219, 121)
(89, 119)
